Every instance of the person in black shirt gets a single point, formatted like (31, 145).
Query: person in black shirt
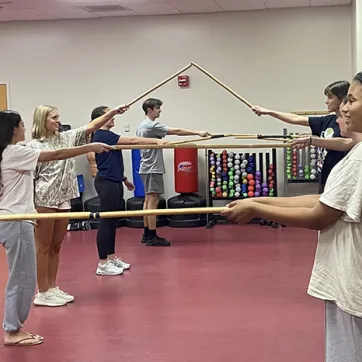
(109, 180)
(322, 126)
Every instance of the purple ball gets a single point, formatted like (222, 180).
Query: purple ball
(265, 184)
(257, 174)
(257, 194)
(257, 187)
(265, 190)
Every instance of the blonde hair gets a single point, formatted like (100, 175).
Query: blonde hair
(40, 117)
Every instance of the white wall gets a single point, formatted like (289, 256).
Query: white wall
(280, 59)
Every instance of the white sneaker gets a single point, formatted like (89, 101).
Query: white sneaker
(48, 299)
(120, 263)
(62, 295)
(108, 269)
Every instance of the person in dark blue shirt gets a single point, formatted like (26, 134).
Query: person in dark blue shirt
(322, 126)
(108, 183)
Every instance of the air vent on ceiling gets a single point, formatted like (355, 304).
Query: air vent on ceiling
(105, 8)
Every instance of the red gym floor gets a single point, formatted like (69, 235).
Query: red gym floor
(233, 293)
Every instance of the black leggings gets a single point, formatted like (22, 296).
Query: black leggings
(110, 194)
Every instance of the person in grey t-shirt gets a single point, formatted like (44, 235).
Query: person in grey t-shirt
(152, 165)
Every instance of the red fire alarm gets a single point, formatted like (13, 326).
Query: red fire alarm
(183, 81)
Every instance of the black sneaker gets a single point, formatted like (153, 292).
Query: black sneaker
(144, 239)
(157, 241)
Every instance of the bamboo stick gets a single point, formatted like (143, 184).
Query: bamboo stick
(158, 85)
(111, 214)
(201, 139)
(223, 85)
(310, 113)
(201, 146)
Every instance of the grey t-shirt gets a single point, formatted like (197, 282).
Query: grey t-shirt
(151, 159)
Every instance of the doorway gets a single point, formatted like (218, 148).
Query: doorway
(3, 97)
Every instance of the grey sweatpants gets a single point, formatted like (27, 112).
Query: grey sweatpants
(343, 335)
(18, 240)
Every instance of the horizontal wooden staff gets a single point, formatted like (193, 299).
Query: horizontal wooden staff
(110, 214)
(201, 146)
(158, 85)
(215, 136)
(265, 137)
(238, 96)
(310, 113)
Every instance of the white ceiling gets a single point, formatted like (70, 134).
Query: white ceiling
(23, 10)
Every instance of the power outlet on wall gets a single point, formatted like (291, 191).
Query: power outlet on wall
(126, 128)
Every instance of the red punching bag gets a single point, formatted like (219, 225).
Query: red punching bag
(186, 170)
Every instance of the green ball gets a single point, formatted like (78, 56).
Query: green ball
(224, 187)
(245, 194)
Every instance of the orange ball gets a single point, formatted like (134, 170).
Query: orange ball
(251, 182)
(250, 177)
(251, 194)
(251, 188)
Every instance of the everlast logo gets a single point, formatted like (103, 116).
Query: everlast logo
(185, 166)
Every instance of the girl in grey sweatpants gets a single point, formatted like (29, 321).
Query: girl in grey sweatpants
(17, 237)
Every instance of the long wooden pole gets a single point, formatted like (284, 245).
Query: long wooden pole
(223, 85)
(310, 113)
(213, 137)
(111, 214)
(158, 85)
(202, 146)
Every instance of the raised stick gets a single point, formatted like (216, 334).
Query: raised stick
(159, 85)
(110, 214)
(203, 146)
(222, 84)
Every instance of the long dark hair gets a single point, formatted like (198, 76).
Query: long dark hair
(9, 120)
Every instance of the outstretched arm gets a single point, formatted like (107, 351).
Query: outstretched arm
(103, 119)
(285, 117)
(308, 201)
(318, 217)
(336, 144)
(65, 153)
(140, 141)
(186, 132)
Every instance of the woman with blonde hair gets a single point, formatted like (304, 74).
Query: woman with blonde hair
(55, 185)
